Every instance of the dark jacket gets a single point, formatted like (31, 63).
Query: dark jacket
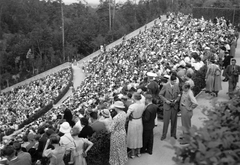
(227, 61)
(41, 145)
(68, 117)
(233, 75)
(153, 88)
(149, 116)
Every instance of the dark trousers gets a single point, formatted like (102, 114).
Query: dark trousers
(148, 140)
(231, 87)
(168, 115)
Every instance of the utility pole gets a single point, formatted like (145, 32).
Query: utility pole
(234, 13)
(110, 16)
(113, 13)
(63, 38)
(135, 14)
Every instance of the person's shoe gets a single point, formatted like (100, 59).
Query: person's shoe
(139, 155)
(163, 137)
(225, 80)
(132, 157)
(149, 152)
(213, 94)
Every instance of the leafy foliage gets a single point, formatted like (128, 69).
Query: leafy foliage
(99, 153)
(218, 142)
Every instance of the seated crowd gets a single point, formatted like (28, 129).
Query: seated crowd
(131, 72)
(20, 103)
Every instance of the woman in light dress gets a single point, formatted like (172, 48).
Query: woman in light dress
(135, 126)
(79, 153)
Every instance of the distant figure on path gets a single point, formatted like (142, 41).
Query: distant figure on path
(233, 46)
(232, 74)
(213, 79)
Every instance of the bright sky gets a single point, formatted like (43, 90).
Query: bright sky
(90, 1)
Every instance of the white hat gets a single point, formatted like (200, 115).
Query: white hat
(105, 113)
(139, 90)
(166, 76)
(118, 104)
(151, 74)
(120, 96)
(65, 127)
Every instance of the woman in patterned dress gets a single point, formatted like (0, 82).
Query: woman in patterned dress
(118, 140)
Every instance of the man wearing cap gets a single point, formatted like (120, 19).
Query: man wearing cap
(153, 87)
(232, 74)
(170, 94)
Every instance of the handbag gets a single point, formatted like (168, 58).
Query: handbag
(67, 157)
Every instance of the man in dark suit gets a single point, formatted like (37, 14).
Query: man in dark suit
(170, 94)
(226, 63)
(148, 118)
(232, 74)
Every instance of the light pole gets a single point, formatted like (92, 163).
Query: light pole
(110, 16)
(234, 13)
(63, 38)
(114, 11)
(135, 14)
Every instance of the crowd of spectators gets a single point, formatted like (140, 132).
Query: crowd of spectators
(22, 102)
(177, 46)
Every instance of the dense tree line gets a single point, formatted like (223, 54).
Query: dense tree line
(36, 25)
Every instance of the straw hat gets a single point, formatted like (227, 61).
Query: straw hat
(105, 113)
(65, 127)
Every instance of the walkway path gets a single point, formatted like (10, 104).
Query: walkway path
(78, 77)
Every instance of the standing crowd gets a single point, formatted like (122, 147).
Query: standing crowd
(123, 90)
